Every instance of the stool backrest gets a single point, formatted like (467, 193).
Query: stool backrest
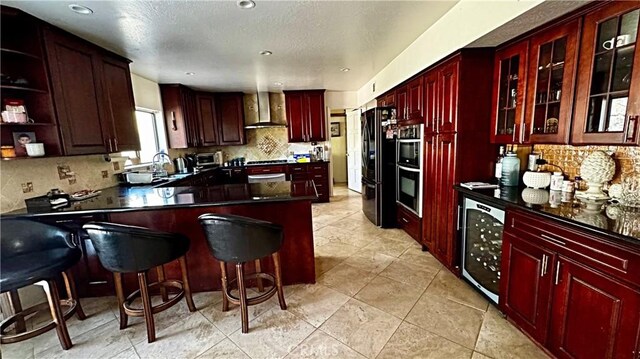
(20, 236)
(240, 239)
(127, 249)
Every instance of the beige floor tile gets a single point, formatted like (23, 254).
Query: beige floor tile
(331, 254)
(499, 339)
(410, 341)
(390, 296)
(418, 258)
(369, 261)
(477, 355)
(230, 321)
(136, 330)
(126, 354)
(388, 246)
(406, 272)
(206, 299)
(272, 335)
(321, 345)
(361, 327)
(315, 303)
(22, 350)
(101, 342)
(186, 339)
(346, 279)
(225, 349)
(449, 319)
(447, 285)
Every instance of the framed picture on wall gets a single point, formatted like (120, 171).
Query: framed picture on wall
(335, 129)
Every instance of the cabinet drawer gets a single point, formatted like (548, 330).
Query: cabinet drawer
(299, 177)
(297, 169)
(318, 168)
(409, 222)
(254, 170)
(599, 253)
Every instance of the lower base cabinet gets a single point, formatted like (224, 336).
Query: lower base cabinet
(318, 172)
(561, 294)
(408, 221)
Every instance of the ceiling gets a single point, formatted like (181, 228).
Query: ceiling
(310, 40)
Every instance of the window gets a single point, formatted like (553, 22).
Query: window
(153, 138)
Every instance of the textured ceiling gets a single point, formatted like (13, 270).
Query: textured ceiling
(310, 40)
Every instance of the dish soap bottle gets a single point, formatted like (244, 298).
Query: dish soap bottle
(510, 170)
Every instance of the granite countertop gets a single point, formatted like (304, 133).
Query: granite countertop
(123, 199)
(608, 219)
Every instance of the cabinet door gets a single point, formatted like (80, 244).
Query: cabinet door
(607, 107)
(593, 316)
(525, 286)
(448, 97)
(390, 99)
(120, 105)
(445, 199)
(552, 69)
(415, 106)
(230, 119)
(172, 103)
(429, 203)
(75, 78)
(509, 84)
(401, 104)
(295, 116)
(431, 102)
(207, 115)
(316, 124)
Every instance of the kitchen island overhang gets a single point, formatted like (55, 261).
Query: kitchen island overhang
(176, 209)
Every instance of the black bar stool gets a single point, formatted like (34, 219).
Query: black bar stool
(240, 240)
(37, 253)
(130, 249)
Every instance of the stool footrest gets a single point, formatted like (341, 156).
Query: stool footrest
(258, 299)
(139, 312)
(14, 338)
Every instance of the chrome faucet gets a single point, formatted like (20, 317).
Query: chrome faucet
(156, 164)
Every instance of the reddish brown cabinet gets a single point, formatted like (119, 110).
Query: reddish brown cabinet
(206, 109)
(409, 222)
(509, 79)
(318, 172)
(95, 111)
(607, 109)
(305, 115)
(230, 118)
(180, 114)
(431, 107)
(553, 57)
(388, 99)
(402, 111)
(527, 277)
(447, 118)
(415, 108)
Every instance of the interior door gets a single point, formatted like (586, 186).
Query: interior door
(354, 151)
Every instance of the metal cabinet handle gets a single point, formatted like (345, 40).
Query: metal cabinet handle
(174, 123)
(554, 240)
(513, 135)
(458, 219)
(115, 144)
(557, 280)
(405, 220)
(543, 268)
(631, 129)
(522, 133)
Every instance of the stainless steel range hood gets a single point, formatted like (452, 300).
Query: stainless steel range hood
(264, 114)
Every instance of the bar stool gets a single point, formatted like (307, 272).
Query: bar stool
(130, 249)
(37, 253)
(240, 240)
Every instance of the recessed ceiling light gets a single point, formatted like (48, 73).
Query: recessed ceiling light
(80, 9)
(265, 53)
(189, 73)
(278, 83)
(345, 69)
(246, 4)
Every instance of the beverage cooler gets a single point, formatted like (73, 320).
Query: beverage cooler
(482, 229)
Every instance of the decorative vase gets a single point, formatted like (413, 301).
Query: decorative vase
(597, 169)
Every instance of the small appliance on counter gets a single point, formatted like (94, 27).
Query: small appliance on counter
(180, 165)
(205, 160)
(218, 158)
(192, 162)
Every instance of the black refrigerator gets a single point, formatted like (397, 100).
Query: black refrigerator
(378, 167)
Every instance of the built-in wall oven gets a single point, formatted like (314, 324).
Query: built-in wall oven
(482, 228)
(409, 168)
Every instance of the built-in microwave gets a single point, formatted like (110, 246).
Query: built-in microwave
(409, 146)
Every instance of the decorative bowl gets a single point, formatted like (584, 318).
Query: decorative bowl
(537, 180)
(535, 196)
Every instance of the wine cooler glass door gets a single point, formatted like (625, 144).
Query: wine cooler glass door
(482, 241)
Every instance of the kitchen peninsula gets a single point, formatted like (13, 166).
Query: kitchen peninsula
(176, 209)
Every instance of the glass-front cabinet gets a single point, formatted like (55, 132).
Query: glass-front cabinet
(608, 89)
(552, 62)
(510, 73)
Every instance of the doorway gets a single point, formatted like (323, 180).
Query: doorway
(354, 149)
(338, 131)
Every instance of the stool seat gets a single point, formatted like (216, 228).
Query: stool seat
(14, 273)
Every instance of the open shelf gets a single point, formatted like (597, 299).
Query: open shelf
(22, 88)
(26, 124)
(19, 53)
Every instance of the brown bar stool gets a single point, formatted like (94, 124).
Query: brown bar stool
(130, 249)
(240, 240)
(37, 253)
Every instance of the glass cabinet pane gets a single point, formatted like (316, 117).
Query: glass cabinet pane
(612, 69)
(549, 79)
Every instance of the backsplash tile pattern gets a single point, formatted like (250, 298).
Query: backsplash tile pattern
(39, 175)
(570, 158)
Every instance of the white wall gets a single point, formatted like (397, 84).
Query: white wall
(341, 99)
(465, 22)
(146, 93)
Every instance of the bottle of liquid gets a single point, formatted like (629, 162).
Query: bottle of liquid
(510, 170)
(498, 171)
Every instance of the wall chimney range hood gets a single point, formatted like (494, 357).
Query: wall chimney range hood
(264, 114)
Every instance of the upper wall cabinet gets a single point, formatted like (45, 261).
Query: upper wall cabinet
(510, 76)
(401, 103)
(230, 118)
(549, 99)
(180, 115)
(607, 107)
(305, 115)
(95, 110)
(388, 99)
(415, 105)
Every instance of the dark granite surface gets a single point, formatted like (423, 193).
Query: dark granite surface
(604, 218)
(123, 199)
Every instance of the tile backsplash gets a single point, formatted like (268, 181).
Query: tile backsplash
(570, 158)
(22, 179)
